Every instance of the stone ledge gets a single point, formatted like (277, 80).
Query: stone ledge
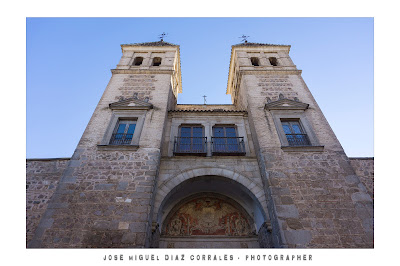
(303, 148)
(142, 71)
(117, 147)
(272, 71)
(48, 159)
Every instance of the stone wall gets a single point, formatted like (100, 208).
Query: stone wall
(42, 177)
(364, 168)
(104, 197)
(315, 199)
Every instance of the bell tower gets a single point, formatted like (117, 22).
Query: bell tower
(305, 171)
(105, 195)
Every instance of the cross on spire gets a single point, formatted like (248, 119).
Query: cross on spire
(205, 101)
(244, 38)
(161, 36)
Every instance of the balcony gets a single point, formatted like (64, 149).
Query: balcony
(298, 140)
(190, 146)
(121, 139)
(227, 146)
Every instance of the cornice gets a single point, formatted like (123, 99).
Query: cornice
(142, 71)
(208, 111)
(269, 72)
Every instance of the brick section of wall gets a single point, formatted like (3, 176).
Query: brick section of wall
(42, 177)
(364, 168)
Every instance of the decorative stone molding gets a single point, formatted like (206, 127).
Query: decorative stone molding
(142, 71)
(131, 104)
(286, 104)
(303, 148)
(271, 72)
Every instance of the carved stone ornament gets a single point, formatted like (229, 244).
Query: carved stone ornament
(286, 104)
(131, 104)
(208, 216)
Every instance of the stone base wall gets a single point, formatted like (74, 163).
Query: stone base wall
(42, 177)
(320, 202)
(364, 168)
(102, 201)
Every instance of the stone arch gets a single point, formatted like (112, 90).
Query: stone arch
(166, 187)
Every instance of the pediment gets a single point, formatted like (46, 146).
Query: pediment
(286, 104)
(131, 104)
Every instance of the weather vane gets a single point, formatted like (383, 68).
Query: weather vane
(161, 36)
(244, 38)
(205, 101)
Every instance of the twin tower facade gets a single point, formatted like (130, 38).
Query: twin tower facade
(266, 171)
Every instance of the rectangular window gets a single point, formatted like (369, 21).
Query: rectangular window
(191, 140)
(123, 132)
(295, 134)
(225, 141)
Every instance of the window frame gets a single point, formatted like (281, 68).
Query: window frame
(203, 138)
(239, 143)
(116, 117)
(124, 137)
(300, 116)
(290, 123)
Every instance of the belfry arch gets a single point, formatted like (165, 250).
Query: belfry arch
(210, 211)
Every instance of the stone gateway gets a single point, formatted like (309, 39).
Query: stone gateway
(265, 171)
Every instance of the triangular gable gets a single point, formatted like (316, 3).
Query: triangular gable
(286, 104)
(131, 103)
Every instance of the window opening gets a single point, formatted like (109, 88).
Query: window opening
(255, 61)
(123, 132)
(156, 61)
(225, 140)
(191, 140)
(295, 134)
(138, 61)
(273, 61)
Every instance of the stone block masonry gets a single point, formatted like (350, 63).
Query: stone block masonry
(106, 205)
(364, 168)
(42, 177)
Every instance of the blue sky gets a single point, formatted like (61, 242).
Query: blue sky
(69, 62)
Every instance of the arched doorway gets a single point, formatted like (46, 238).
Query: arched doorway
(208, 220)
(210, 212)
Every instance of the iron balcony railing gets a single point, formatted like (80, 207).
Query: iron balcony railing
(190, 146)
(228, 146)
(121, 139)
(298, 140)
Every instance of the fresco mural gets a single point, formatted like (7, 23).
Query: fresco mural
(208, 216)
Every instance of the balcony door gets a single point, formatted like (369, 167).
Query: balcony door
(191, 139)
(225, 139)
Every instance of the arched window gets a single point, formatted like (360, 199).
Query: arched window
(273, 61)
(156, 61)
(138, 61)
(255, 61)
